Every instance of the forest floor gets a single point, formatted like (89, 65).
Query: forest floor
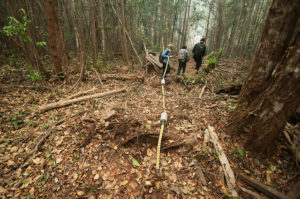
(106, 148)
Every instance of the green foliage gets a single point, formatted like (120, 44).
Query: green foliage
(41, 43)
(272, 168)
(33, 75)
(211, 59)
(135, 162)
(17, 119)
(18, 28)
(238, 152)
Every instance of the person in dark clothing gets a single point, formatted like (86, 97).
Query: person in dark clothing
(199, 52)
(166, 63)
(183, 57)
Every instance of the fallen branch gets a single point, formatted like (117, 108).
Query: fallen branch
(229, 175)
(98, 76)
(252, 193)
(82, 93)
(202, 92)
(174, 146)
(263, 188)
(71, 101)
(122, 77)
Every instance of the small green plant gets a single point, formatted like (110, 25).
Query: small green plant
(105, 68)
(238, 152)
(211, 59)
(34, 76)
(17, 119)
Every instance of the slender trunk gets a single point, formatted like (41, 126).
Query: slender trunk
(183, 25)
(74, 21)
(103, 42)
(232, 40)
(219, 29)
(124, 40)
(186, 30)
(208, 18)
(93, 30)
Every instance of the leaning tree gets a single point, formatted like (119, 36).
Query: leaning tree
(271, 92)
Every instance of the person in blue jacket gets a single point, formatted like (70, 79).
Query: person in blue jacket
(165, 54)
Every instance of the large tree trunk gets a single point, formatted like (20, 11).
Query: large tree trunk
(270, 94)
(52, 21)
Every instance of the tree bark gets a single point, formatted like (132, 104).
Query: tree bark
(270, 94)
(219, 29)
(93, 30)
(103, 41)
(52, 21)
(124, 40)
(232, 40)
(208, 18)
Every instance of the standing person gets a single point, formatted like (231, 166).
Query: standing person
(199, 52)
(183, 57)
(166, 63)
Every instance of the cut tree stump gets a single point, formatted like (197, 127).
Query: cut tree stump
(229, 175)
(268, 191)
(72, 101)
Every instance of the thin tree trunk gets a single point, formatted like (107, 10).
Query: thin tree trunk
(103, 41)
(124, 40)
(231, 43)
(211, 4)
(219, 29)
(93, 30)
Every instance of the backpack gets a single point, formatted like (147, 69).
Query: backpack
(199, 50)
(160, 59)
(182, 54)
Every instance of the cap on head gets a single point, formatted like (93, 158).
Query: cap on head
(203, 40)
(170, 46)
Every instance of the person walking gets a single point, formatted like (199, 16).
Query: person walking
(166, 54)
(183, 57)
(199, 52)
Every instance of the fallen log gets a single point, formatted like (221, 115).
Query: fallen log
(229, 175)
(82, 93)
(263, 188)
(122, 77)
(71, 101)
(252, 193)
